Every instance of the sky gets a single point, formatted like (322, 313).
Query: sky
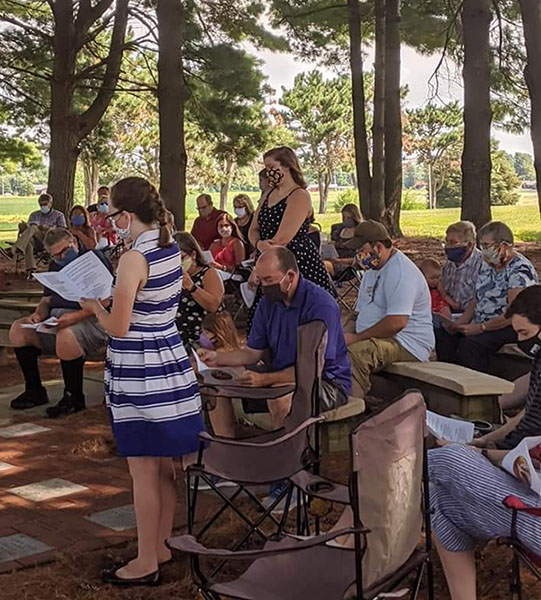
(417, 69)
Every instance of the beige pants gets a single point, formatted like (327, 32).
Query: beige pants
(25, 243)
(371, 356)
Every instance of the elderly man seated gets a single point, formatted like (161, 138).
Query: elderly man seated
(77, 334)
(394, 321)
(205, 227)
(483, 328)
(32, 233)
(461, 270)
(288, 301)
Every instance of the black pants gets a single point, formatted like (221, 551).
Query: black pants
(474, 351)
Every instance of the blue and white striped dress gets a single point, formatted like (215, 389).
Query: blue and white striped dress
(150, 387)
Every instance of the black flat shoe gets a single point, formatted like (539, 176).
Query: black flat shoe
(30, 399)
(110, 576)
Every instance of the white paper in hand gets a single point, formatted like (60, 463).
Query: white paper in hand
(84, 277)
(450, 430)
(217, 375)
(247, 293)
(518, 463)
(47, 326)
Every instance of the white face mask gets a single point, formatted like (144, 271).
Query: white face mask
(123, 232)
(240, 212)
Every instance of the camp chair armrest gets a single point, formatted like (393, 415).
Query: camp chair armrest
(245, 391)
(516, 504)
(188, 543)
(204, 436)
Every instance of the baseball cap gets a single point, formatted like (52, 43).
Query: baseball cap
(367, 232)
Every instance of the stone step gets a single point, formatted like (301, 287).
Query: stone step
(25, 295)
(13, 308)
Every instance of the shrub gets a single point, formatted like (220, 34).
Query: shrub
(349, 196)
(413, 199)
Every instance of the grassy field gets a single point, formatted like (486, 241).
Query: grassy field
(523, 218)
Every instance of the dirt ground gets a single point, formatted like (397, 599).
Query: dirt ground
(77, 576)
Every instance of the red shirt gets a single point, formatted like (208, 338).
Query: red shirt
(437, 300)
(205, 229)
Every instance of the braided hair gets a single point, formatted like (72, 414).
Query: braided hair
(138, 196)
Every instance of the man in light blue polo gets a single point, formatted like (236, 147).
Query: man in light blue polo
(289, 301)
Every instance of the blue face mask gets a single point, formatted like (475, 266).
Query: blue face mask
(78, 220)
(349, 222)
(70, 254)
(204, 341)
(457, 254)
(45, 209)
(103, 208)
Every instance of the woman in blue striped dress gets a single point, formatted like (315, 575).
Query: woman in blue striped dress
(151, 390)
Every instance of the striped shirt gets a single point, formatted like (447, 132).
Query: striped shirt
(530, 424)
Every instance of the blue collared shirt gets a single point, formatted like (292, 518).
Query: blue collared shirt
(275, 328)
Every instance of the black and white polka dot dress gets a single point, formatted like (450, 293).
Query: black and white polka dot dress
(308, 258)
(191, 314)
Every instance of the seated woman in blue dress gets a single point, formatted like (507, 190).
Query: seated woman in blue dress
(468, 485)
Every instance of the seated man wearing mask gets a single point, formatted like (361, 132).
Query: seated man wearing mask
(33, 232)
(288, 301)
(394, 321)
(483, 328)
(461, 270)
(78, 334)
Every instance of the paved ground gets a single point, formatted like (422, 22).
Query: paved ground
(61, 488)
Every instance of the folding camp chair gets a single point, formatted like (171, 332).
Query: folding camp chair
(347, 283)
(389, 500)
(265, 458)
(521, 555)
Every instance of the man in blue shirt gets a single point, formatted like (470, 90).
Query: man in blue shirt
(289, 301)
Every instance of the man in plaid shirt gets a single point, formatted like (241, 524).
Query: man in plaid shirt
(39, 222)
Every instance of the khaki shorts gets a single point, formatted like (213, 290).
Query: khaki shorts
(371, 356)
(91, 337)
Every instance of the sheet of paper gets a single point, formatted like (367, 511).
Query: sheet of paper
(328, 251)
(247, 293)
(518, 463)
(225, 275)
(248, 263)
(217, 375)
(207, 255)
(47, 326)
(451, 430)
(84, 277)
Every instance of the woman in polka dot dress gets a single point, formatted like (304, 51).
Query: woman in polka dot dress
(282, 218)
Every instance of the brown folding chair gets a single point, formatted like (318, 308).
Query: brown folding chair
(265, 458)
(389, 502)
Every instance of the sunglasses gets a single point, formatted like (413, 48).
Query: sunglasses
(115, 214)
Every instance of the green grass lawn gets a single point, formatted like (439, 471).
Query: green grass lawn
(523, 218)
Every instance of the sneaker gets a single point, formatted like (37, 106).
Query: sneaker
(68, 405)
(276, 490)
(29, 399)
(217, 481)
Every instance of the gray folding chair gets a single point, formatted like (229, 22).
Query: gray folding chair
(389, 502)
(263, 459)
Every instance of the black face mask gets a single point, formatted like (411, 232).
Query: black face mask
(531, 346)
(274, 176)
(273, 292)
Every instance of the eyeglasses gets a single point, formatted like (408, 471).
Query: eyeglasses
(61, 254)
(115, 214)
(490, 245)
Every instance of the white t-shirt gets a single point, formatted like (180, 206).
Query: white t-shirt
(398, 288)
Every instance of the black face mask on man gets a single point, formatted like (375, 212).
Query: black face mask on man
(531, 346)
(273, 292)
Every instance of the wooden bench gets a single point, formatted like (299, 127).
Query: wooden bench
(451, 389)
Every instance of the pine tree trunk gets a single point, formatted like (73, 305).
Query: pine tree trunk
(531, 19)
(393, 120)
(91, 173)
(362, 160)
(377, 206)
(324, 182)
(226, 183)
(476, 163)
(171, 101)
